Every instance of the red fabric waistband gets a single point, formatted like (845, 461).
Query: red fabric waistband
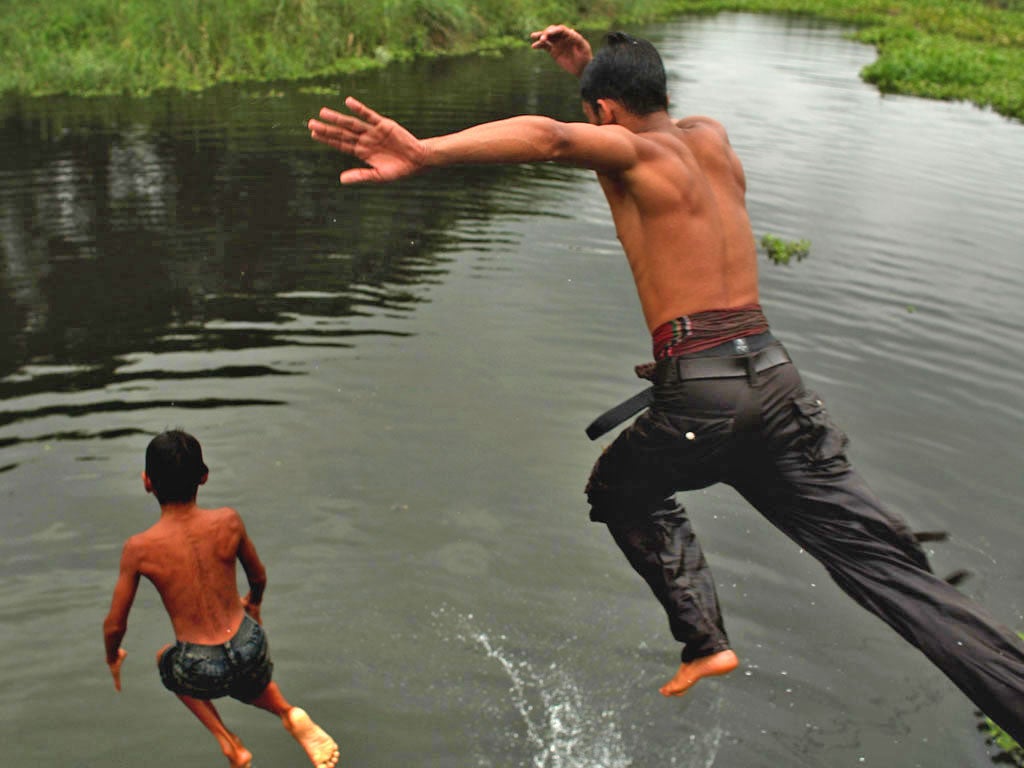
(703, 330)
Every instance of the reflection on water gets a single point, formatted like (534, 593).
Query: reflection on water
(202, 223)
(391, 384)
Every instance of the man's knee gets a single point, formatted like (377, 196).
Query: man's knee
(631, 510)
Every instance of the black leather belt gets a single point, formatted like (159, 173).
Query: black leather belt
(687, 367)
(739, 357)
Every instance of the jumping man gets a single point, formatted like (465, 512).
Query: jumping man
(728, 403)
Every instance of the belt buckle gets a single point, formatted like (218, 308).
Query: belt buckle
(740, 346)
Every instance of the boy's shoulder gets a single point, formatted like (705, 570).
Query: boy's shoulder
(217, 517)
(221, 515)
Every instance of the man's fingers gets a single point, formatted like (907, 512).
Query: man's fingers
(346, 145)
(359, 175)
(339, 126)
(547, 38)
(329, 115)
(335, 121)
(342, 137)
(362, 110)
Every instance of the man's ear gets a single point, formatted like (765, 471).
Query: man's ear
(146, 482)
(607, 112)
(204, 478)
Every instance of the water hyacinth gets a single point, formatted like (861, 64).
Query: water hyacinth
(961, 50)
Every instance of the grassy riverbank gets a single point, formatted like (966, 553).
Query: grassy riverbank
(946, 49)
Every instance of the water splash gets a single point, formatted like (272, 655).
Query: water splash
(565, 733)
(562, 728)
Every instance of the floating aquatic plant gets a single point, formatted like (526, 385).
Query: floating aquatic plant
(1010, 752)
(784, 251)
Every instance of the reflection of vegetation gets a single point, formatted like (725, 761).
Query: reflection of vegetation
(945, 49)
(189, 223)
(784, 251)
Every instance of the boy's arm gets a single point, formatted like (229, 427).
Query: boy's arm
(393, 153)
(116, 623)
(255, 574)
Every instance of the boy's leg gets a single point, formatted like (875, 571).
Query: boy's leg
(230, 745)
(319, 746)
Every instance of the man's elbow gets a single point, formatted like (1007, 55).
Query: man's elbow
(558, 143)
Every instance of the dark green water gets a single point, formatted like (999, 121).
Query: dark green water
(391, 385)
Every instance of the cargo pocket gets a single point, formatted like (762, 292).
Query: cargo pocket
(697, 448)
(820, 439)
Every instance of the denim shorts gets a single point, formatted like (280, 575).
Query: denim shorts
(240, 668)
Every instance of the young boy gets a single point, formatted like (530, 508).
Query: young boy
(189, 555)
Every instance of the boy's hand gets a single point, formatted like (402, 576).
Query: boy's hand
(567, 47)
(253, 609)
(115, 667)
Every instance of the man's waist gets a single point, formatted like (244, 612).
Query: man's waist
(743, 345)
(736, 347)
(746, 356)
(702, 330)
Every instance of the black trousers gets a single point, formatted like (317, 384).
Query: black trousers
(774, 442)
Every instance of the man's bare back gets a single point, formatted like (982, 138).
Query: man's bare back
(681, 217)
(189, 555)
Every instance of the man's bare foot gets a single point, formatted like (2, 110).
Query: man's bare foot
(321, 748)
(690, 672)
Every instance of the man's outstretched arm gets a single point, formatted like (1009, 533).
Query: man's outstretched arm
(393, 153)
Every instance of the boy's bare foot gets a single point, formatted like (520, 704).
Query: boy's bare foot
(690, 672)
(236, 753)
(321, 748)
(243, 757)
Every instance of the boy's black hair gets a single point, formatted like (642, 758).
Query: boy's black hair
(174, 465)
(628, 70)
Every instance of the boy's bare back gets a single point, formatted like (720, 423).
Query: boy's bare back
(189, 555)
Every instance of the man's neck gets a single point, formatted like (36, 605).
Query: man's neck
(655, 121)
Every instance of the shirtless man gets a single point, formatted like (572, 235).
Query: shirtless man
(189, 555)
(728, 404)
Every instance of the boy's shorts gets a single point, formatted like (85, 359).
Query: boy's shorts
(240, 668)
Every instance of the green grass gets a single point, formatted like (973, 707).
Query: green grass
(944, 49)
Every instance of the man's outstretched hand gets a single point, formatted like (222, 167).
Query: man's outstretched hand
(567, 47)
(388, 148)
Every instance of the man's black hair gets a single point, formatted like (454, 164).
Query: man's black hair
(628, 70)
(174, 465)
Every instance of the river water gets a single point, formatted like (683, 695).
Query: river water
(391, 385)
